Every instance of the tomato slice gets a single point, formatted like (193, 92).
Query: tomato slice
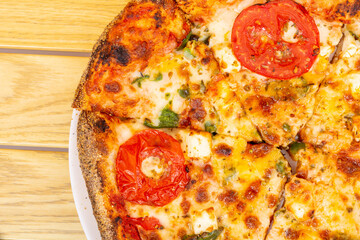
(134, 185)
(259, 43)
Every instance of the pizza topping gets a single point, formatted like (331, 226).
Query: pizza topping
(134, 185)
(205, 236)
(167, 119)
(139, 80)
(210, 127)
(201, 195)
(296, 146)
(252, 222)
(253, 190)
(184, 92)
(121, 54)
(147, 223)
(278, 39)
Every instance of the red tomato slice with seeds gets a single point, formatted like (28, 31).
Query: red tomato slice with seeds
(278, 39)
(139, 188)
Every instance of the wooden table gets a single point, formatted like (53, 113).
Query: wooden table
(44, 48)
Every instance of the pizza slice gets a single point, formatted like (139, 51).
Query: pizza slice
(335, 122)
(276, 82)
(177, 183)
(316, 211)
(323, 200)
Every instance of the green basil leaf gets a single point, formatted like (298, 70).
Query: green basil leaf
(205, 236)
(167, 119)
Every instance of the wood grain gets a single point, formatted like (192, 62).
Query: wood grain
(72, 25)
(36, 201)
(36, 93)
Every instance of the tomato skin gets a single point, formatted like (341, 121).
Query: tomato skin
(258, 44)
(133, 185)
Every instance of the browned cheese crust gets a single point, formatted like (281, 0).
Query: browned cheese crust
(144, 31)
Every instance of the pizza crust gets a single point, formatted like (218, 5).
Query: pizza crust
(89, 156)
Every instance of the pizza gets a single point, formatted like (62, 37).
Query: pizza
(236, 119)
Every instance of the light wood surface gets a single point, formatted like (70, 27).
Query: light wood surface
(36, 198)
(37, 84)
(36, 97)
(72, 25)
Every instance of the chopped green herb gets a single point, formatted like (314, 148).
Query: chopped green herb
(280, 167)
(204, 236)
(139, 80)
(210, 127)
(167, 95)
(296, 146)
(158, 77)
(188, 54)
(184, 92)
(184, 42)
(286, 127)
(167, 119)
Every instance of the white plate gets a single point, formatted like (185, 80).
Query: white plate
(81, 197)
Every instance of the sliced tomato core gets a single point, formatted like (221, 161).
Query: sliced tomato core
(134, 185)
(259, 45)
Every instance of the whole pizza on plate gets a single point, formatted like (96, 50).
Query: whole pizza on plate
(191, 112)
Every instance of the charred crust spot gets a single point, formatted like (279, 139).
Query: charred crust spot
(185, 206)
(113, 87)
(101, 126)
(190, 184)
(205, 60)
(223, 149)
(291, 234)
(184, 122)
(252, 222)
(241, 206)
(197, 111)
(347, 8)
(302, 174)
(158, 19)
(349, 166)
(230, 196)
(258, 150)
(121, 54)
(208, 170)
(253, 190)
(201, 195)
(272, 200)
